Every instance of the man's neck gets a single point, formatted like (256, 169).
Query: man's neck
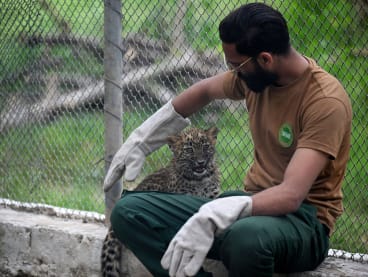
(291, 67)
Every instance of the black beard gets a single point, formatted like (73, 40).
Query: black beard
(258, 80)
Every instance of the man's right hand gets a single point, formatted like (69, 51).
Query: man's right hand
(148, 137)
(129, 160)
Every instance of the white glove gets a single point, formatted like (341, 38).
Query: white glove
(151, 135)
(188, 249)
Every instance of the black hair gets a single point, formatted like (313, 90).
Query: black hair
(255, 28)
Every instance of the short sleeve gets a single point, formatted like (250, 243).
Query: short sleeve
(234, 87)
(324, 125)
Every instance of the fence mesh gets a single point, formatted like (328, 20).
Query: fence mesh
(51, 92)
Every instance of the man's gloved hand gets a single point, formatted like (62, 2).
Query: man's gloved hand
(151, 135)
(188, 249)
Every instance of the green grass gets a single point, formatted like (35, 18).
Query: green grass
(55, 163)
(60, 164)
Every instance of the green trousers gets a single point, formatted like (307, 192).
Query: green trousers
(254, 246)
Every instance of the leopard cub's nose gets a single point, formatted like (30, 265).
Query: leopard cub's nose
(201, 162)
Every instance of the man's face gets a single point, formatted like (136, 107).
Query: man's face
(248, 69)
(257, 79)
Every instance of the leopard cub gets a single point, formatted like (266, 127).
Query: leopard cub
(192, 170)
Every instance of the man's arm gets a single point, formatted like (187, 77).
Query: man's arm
(304, 167)
(199, 95)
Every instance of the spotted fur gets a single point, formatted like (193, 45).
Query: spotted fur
(192, 170)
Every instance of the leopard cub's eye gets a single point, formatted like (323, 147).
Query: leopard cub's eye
(188, 146)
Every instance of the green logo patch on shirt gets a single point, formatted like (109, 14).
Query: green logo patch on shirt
(286, 136)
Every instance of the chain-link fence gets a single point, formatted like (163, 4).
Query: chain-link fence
(52, 91)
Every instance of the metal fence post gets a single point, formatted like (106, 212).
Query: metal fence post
(113, 104)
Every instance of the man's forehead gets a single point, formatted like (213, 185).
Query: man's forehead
(231, 54)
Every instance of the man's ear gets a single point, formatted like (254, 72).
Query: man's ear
(265, 59)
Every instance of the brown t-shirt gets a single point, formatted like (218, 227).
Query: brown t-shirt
(313, 112)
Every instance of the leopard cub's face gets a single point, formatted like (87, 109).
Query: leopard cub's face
(194, 152)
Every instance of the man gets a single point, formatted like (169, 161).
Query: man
(300, 121)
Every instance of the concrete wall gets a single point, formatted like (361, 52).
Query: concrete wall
(69, 244)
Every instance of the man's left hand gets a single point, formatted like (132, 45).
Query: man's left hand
(188, 249)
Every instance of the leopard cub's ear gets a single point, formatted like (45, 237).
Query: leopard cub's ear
(212, 133)
(171, 140)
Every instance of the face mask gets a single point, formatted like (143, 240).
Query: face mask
(258, 80)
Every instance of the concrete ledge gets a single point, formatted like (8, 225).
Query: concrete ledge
(41, 245)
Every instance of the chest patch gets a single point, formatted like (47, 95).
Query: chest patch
(286, 136)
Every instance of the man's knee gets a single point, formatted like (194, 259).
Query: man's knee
(119, 213)
(246, 247)
(141, 213)
(127, 215)
(122, 208)
(247, 235)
